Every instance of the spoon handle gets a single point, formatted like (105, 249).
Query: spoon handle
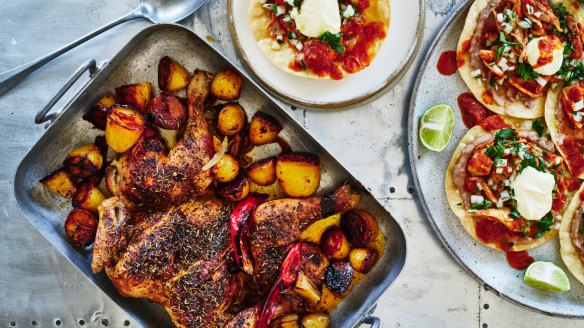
(12, 77)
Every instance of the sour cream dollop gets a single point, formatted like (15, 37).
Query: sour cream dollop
(533, 193)
(548, 50)
(317, 17)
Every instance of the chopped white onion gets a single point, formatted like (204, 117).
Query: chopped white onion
(500, 17)
(579, 105)
(477, 199)
(217, 157)
(476, 73)
(541, 81)
(349, 12)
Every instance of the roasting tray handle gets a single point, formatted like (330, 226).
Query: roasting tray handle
(369, 319)
(42, 116)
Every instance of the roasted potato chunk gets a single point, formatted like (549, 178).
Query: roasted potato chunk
(84, 161)
(81, 226)
(235, 190)
(334, 244)
(360, 227)
(263, 129)
(97, 114)
(226, 169)
(362, 259)
(306, 289)
(231, 119)
(289, 323)
(123, 128)
(88, 197)
(61, 183)
(168, 112)
(172, 76)
(316, 320)
(226, 85)
(298, 174)
(135, 95)
(263, 172)
(338, 277)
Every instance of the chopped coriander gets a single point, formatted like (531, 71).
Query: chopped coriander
(537, 126)
(505, 41)
(334, 41)
(495, 151)
(303, 64)
(514, 214)
(544, 225)
(526, 72)
(506, 134)
(493, 82)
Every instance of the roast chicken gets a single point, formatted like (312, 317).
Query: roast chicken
(150, 176)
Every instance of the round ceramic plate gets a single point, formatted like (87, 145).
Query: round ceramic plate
(488, 266)
(392, 61)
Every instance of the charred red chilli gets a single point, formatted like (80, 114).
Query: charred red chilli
(238, 216)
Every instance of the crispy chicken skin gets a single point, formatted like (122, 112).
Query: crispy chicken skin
(153, 177)
(178, 258)
(279, 223)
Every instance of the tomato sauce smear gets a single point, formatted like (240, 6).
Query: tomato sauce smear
(495, 232)
(358, 39)
(519, 260)
(447, 63)
(472, 111)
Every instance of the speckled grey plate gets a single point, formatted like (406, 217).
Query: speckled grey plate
(486, 265)
(390, 64)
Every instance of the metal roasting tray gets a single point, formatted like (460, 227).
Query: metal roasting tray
(486, 265)
(138, 62)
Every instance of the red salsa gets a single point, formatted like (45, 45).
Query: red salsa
(519, 260)
(472, 111)
(447, 63)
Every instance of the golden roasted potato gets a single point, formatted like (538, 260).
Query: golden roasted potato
(97, 114)
(172, 76)
(231, 119)
(235, 190)
(289, 321)
(316, 320)
(226, 169)
(123, 128)
(362, 259)
(61, 183)
(306, 289)
(334, 244)
(226, 85)
(88, 197)
(81, 226)
(298, 174)
(135, 95)
(263, 172)
(360, 227)
(263, 129)
(84, 161)
(168, 112)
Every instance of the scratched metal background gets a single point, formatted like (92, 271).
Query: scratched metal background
(39, 288)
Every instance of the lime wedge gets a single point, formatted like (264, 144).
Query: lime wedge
(436, 127)
(546, 276)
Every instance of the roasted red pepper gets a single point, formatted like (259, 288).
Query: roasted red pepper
(288, 274)
(238, 216)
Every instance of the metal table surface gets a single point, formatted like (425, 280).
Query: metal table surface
(39, 288)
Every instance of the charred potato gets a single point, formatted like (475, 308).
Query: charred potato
(135, 95)
(81, 226)
(316, 320)
(362, 259)
(226, 169)
(97, 114)
(298, 174)
(61, 183)
(226, 85)
(168, 112)
(172, 76)
(338, 277)
(88, 197)
(306, 289)
(84, 161)
(263, 172)
(231, 119)
(235, 190)
(360, 227)
(334, 244)
(123, 128)
(263, 129)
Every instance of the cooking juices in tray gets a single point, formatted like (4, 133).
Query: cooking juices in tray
(202, 211)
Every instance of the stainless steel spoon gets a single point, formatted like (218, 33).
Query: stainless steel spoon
(157, 11)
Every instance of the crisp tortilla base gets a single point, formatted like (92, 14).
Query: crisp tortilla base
(454, 198)
(567, 250)
(552, 121)
(378, 11)
(478, 87)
